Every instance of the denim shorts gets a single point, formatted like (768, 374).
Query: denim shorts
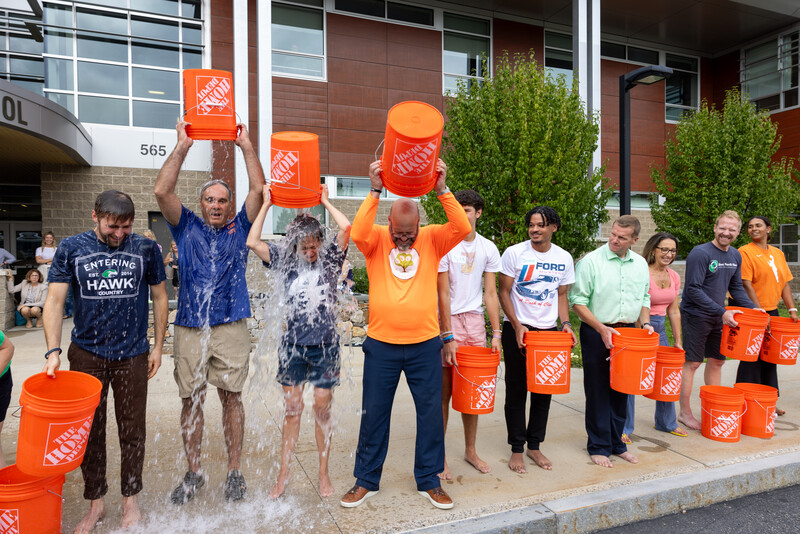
(316, 364)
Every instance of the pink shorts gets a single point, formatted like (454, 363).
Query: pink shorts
(468, 329)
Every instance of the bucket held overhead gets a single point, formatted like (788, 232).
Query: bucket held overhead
(208, 104)
(294, 176)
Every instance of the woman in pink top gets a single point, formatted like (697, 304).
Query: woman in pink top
(665, 285)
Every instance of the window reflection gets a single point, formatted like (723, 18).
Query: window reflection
(103, 110)
(160, 84)
(155, 114)
(101, 78)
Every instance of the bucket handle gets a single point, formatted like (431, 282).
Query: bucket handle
(744, 411)
(63, 500)
(480, 386)
(15, 412)
(614, 354)
(377, 149)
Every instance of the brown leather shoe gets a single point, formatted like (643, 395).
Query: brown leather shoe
(356, 496)
(438, 497)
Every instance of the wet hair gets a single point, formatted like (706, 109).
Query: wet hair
(629, 221)
(301, 228)
(212, 183)
(549, 216)
(29, 273)
(114, 204)
(649, 251)
(49, 234)
(729, 214)
(469, 197)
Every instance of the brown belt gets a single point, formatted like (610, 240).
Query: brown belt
(617, 325)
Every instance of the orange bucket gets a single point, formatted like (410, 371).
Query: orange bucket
(475, 379)
(633, 361)
(669, 372)
(28, 504)
(208, 101)
(411, 148)
(55, 421)
(780, 343)
(759, 415)
(294, 179)
(744, 341)
(722, 413)
(548, 360)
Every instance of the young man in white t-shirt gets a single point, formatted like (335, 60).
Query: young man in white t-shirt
(535, 277)
(466, 280)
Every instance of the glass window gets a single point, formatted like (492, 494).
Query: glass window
(158, 84)
(24, 44)
(558, 55)
(26, 66)
(102, 78)
(155, 114)
(640, 55)
(352, 187)
(558, 40)
(31, 84)
(192, 58)
(412, 14)
(786, 240)
(58, 41)
(58, 74)
(682, 88)
(462, 54)
(281, 217)
(147, 52)
(192, 34)
(191, 9)
(373, 8)
(63, 99)
(464, 24)
(164, 7)
(296, 65)
(104, 110)
(298, 41)
(613, 50)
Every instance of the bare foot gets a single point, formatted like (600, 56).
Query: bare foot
(628, 456)
(28, 325)
(130, 511)
(92, 517)
(477, 463)
(780, 412)
(517, 463)
(280, 486)
(687, 419)
(445, 475)
(540, 459)
(602, 461)
(325, 485)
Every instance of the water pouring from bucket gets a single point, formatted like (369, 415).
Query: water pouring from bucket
(209, 104)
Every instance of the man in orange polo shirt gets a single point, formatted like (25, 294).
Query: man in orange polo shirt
(403, 335)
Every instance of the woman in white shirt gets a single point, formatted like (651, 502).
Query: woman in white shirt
(45, 254)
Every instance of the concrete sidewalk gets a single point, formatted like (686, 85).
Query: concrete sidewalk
(576, 496)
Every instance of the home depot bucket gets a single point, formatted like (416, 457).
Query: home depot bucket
(29, 504)
(475, 379)
(744, 341)
(548, 359)
(780, 343)
(208, 101)
(55, 421)
(722, 412)
(759, 416)
(669, 369)
(411, 148)
(633, 361)
(295, 170)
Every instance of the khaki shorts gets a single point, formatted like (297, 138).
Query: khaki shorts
(219, 356)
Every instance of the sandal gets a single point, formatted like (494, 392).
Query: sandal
(681, 433)
(185, 491)
(235, 486)
(626, 440)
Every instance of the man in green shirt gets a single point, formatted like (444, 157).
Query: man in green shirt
(610, 291)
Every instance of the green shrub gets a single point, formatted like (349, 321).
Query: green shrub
(360, 280)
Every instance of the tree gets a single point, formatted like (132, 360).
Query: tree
(721, 160)
(522, 138)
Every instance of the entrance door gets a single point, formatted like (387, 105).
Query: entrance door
(158, 224)
(21, 239)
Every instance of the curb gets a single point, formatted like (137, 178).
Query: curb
(636, 502)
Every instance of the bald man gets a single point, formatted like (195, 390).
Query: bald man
(403, 335)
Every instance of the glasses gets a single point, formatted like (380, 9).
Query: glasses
(668, 251)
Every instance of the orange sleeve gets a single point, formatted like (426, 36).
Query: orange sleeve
(747, 263)
(363, 231)
(457, 227)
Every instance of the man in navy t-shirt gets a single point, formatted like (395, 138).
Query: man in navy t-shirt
(111, 273)
(212, 343)
(712, 271)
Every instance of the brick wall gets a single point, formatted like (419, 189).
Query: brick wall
(69, 191)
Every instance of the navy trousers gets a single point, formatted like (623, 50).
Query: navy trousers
(605, 408)
(383, 363)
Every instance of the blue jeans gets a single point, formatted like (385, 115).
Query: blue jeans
(422, 365)
(665, 411)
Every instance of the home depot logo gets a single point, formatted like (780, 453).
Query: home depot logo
(213, 96)
(9, 521)
(485, 397)
(769, 428)
(789, 349)
(285, 166)
(724, 425)
(414, 159)
(671, 383)
(648, 374)
(69, 442)
(552, 368)
(754, 346)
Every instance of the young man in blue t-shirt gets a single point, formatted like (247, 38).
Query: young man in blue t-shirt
(212, 342)
(111, 273)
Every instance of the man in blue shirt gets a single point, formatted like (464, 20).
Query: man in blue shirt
(713, 270)
(111, 273)
(212, 343)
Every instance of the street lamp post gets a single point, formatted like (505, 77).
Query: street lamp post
(642, 76)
